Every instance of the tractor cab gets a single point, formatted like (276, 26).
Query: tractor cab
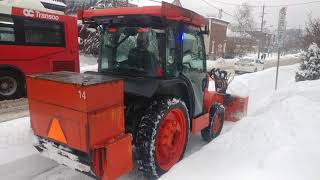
(159, 53)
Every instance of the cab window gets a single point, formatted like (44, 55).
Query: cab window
(193, 52)
(132, 51)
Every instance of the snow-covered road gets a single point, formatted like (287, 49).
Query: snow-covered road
(10, 110)
(20, 161)
(228, 64)
(14, 109)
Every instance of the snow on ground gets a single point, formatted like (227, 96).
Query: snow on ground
(271, 61)
(278, 140)
(16, 139)
(13, 109)
(271, 132)
(88, 63)
(259, 86)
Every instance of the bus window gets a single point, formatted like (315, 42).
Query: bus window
(44, 33)
(6, 29)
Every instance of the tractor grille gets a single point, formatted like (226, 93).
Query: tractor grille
(63, 66)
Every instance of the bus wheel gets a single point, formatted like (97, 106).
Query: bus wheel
(11, 85)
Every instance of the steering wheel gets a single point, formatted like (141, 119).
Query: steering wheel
(187, 63)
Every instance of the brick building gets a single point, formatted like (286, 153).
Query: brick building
(217, 38)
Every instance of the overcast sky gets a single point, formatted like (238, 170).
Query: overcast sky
(296, 16)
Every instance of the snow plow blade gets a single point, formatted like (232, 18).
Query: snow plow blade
(236, 107)
(74, 159)
(79, 119)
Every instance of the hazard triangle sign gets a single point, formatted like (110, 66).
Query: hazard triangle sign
(56, 132)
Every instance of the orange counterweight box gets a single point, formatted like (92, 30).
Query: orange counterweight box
(84, 114)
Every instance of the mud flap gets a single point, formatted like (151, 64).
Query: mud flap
(113, 159)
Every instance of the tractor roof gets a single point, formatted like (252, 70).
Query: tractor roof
(166, 10)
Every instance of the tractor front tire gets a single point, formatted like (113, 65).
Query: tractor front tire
(216, 120)
(162, 136)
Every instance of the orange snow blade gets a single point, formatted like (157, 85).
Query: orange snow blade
(56, 132)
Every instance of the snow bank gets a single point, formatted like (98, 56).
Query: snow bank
(271, 61)
(259, 86)
(278, 140)
(16, 140)
(88, 63)
(223, 64)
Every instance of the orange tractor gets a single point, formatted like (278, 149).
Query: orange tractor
(150, 92)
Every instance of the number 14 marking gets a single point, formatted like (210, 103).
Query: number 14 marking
(82, 95)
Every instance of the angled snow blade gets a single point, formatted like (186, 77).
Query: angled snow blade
(65, 156)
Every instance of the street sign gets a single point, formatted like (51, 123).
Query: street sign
(282, 25)
(281, 34)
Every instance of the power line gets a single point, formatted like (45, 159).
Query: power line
(155, 1)
(220, 9)
(208, 3)
(295, 4)
(233, 4)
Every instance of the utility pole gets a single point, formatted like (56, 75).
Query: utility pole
(220, 14)
(262, 23)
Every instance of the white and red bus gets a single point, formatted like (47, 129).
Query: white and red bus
(35, 37)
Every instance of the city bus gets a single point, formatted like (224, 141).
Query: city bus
(35, 37)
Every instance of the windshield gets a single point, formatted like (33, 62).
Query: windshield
(131, 51)
(247, 60)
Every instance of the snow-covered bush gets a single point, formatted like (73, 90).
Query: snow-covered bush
(90, 44)
(310, 67)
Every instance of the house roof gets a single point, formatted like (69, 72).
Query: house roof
(220, 21)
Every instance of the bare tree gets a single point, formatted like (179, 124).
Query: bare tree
(243, 23)
(244, 20)
(294, 40)
(312, 32)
